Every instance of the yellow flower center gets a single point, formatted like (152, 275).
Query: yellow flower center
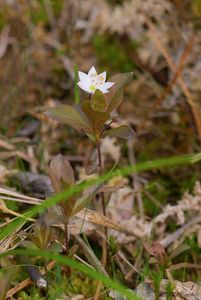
(93, 87)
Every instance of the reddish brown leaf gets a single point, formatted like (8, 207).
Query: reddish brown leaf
(69, 115)
(115, 96)
(123, 131)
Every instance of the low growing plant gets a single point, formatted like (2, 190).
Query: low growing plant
(93, 116)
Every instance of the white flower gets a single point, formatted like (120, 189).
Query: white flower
(92, 81)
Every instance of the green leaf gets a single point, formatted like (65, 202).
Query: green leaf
(91, 257)
(98, 101)
(61, 259)
(69, 115)
(41, 234)
(123, 131)
(115, 96)
(5, 282)
(16, 223)
(97, 118)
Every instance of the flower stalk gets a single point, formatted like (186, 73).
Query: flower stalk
(102, 197)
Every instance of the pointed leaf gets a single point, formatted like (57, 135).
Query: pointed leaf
(62, 177)
(54, 215)
(98, 101)
(115, 96)
(5, 282)
(87, 196)
(69, 115)
(61, 173)
(123, 131)
(97, 118)
(92, 258)
(178, 250)
(152, 260)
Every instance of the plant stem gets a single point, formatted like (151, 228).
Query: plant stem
(105, 128)
(66, 237)
(104, 242)
(102, 196)
(67, 269)
(100, 164)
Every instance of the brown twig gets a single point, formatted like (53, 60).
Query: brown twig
(159, 76)
(177, 233)
(194, 108)
(184, 265)
(98, 291)
(179, 69)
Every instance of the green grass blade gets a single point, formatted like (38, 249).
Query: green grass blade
(108, 282)
(144, 166)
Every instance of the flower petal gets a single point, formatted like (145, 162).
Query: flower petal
(102, 89)
(84, 87)
(101, 78)
(83, 77)
(92, 75)
(107, 85)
